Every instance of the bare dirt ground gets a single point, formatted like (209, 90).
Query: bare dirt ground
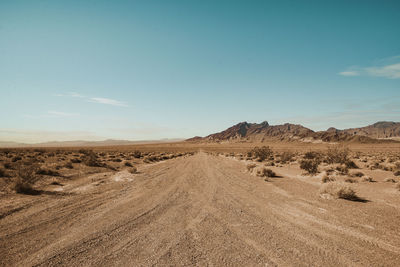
(200, 210)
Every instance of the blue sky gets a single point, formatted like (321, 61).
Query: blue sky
(174, 69)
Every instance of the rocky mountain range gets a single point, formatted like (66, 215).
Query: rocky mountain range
(261, 132)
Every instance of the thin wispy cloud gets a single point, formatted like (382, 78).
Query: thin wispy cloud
(59, 114)
(98, 100)
(349, 73)
(107, 101)
(52, 114)
(390, 71)
(71, 94)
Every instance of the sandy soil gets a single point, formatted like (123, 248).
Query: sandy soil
(199, 210)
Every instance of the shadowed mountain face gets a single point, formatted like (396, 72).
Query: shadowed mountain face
(382, 129)
(254, 132)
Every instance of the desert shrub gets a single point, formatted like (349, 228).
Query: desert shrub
(396, 173)
(133, 170)
(251, 166)
(287, 156)
(128, 164)
(358, 174)
(343, 170)
(83, 151)
(262, 153)
(351, 164)
(26, 177)
(137, 154)
(264, 172)
(74, 160)
(153, 158)
(390, 180)
(91, 159)
(312, 155)
(42, 171)
(117, 160)
(327, 179)
(337, 154)
(367, 179)
(330, 171)
(339, 190)
(3, 173)
(69, 165)
(310, 165)
(16, 158)
(350, 180)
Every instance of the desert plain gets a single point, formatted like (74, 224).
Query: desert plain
(208, 204)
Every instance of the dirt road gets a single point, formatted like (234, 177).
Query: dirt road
(199, 210)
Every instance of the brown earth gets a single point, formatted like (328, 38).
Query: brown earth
(200, 210)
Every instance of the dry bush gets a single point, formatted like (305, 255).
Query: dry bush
(133, 170)
(368, 179)
(90, 159)
(310, 165)
(396, 173)
(76, 160)
(390, 180)
(343, 170)
(337, 154)
(339, 190)
(7, 165)
(3, 173)
(42, 171)
(350, 180)
(251, 166)
(16, 158)
(262, 153)
(327, 179)
(264, 172)
(287, 156)
(128, 164)
(26, 177)
(351, 164)
(357, 174)
(397, 165)
(312, 155)
(137, 154)
(69, 165)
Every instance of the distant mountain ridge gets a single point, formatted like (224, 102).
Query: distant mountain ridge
(82, 143)
(260, 132)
